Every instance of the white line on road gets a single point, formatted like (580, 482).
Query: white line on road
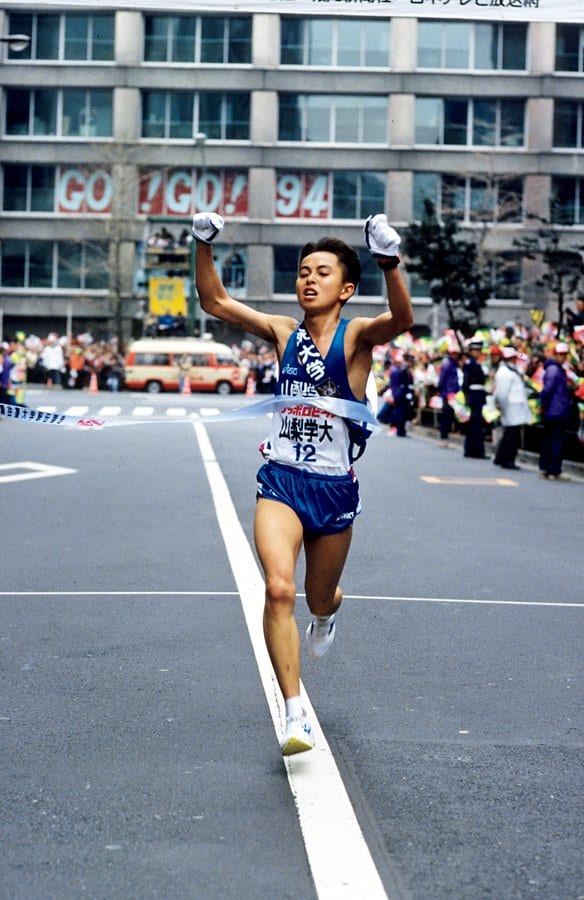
(560, 604)
(339, 858)
(30, 470)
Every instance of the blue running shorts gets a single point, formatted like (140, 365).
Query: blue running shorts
(325, 504)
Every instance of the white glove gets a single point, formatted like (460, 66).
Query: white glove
(381, 238)
(206, 227)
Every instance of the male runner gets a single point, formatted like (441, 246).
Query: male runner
(307, 493)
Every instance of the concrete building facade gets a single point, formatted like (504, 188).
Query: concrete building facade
(116, 123)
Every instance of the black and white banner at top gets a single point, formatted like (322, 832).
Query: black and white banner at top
(486, 10)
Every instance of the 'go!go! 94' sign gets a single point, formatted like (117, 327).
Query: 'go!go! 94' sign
(181, 192)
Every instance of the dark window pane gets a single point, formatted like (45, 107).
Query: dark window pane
(45, 112)
(69, 265)
(563, 205)
(240, 40)
(17, 111)
(237, 116)
(372, 194)
(567, 48)
(345, 195)
(47, 42)
(289, 118)
(181, 114)
(512, 123)
(285, 269)
(514, 44)
(96, 273)
(210, 115)
(371, 284)
(183, 45)
(455, 121)
(292, 42)
(76, 30)
(156, 38)
(15, 188)
(103, 38)
(212, 39)
(40, 271)
(13, 263)
(565, 123)
(153, 114)
(20, 23)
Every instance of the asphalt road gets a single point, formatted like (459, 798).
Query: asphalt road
(139, 758)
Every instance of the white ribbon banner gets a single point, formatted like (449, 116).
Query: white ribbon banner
(487, 10)
(347, 409)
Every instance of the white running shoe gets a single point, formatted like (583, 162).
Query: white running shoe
(319, 635)
(297, 737)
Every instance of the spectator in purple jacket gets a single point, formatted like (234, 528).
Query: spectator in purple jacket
(448, 384)
(555, 409)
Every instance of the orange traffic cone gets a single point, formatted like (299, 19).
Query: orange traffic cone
(250, 387)
(186, 388)
(93, 388)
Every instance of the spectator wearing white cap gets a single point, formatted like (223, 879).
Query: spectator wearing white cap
(511, 398)
(555, 410)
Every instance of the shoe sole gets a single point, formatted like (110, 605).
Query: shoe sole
(295, 745)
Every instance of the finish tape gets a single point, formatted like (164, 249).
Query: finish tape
(346, 409)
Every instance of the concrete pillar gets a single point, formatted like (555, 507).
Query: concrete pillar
(542, 45)
(129, 38)
(127, 122)
(264, 117)
(403, 44)
(266, 41)
(402, 120)
(259, 271)
(262, 192)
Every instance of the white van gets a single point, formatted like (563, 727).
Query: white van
(154, 365)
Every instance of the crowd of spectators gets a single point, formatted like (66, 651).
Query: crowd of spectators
(407, 372)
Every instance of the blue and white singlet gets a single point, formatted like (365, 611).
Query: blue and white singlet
(305, 436)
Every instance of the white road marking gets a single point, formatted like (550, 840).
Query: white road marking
(110, 411)
(76, 410)
(143, 411)
(560, 604)
(469, 480)
(30, 470)
(177, 411)
(339, 858)
(49, 409)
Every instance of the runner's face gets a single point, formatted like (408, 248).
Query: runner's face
(321, 281)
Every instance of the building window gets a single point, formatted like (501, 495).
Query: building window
(324, 42)
(569, 48)
(198, 39)
(285, 271)
(54, 265)
(68, 113)
(82, 266)
(29, 188)
(478, 122)
(504, 271)
(182, 114)
(471, 45)
(69, 37)
(329, 119)
(470, 199)
(569, 124)
(567, 206)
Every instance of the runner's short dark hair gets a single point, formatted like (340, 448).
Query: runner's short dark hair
(348, 258)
